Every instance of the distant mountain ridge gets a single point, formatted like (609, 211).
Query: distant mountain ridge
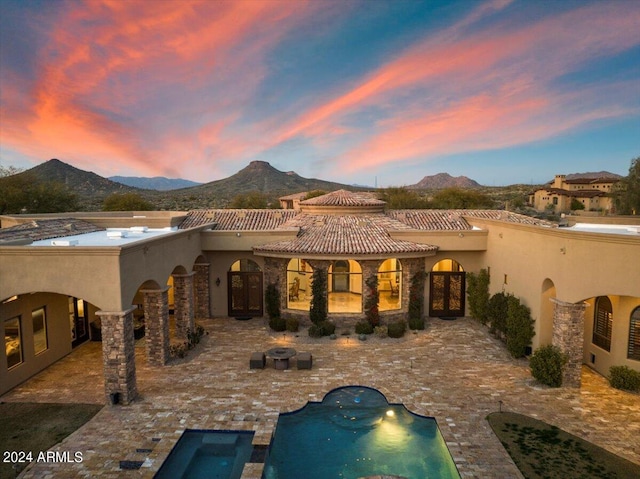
(445, 180)
(159, 183)
(593, 174)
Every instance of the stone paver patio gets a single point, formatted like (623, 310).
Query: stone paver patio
(453, 371)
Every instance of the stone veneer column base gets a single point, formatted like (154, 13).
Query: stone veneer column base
(118, 356)
(183, 303)
(156, 316)
(568, 335)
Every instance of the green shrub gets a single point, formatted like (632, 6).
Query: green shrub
(547, 364)
(416, 323)
(397, 329)
(623, 377)
(364, 327)
(497, 314)
(478, 295)
(278, 323)
(381, 331)
(520, 330)
(272, 301)
(327, 327)
(292, 325)
(315, 331)
(318, 308)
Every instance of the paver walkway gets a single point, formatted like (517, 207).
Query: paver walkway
(453, 371)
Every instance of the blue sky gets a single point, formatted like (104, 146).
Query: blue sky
(359, 92)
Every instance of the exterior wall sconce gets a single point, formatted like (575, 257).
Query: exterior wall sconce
(563, 250)
(238, 235)
(218, 281)
(460, 235)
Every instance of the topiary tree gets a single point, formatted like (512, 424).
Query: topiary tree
(547, 364)
(318, 306)
(478, 295)
(372, 300)
(272, 300)
(519, 327)
(497, 315)
(416, 297)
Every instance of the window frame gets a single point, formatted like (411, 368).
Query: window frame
(44, 327)
(602, 323)
(18, 320)
(633, 348)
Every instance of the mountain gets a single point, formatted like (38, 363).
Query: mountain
(159, 183)
(445, 180)
(262, 177)
(83, 183)
(593, 174)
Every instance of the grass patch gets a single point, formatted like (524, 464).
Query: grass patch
(36, 427)
(543, 451)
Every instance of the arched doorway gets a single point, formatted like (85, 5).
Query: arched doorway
(340, 276)
(447, 289)
(245, 289)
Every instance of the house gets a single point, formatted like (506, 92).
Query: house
(593, 193)
(62, 278)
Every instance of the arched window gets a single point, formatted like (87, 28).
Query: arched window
(390, 284)
(603, 323)
(634, 335)
(299, 275)
(447, 265)
(245, 265)
(345, 287)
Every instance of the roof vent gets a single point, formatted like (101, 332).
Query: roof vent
(116, 234)
(139, 229)
(64, 242)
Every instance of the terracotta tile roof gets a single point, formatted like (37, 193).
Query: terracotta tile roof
(575, 193)
(444, 220)
(344, 235)
(238, 219)
(47, 229)
(344, 198)
(294, 196)
(591, 181)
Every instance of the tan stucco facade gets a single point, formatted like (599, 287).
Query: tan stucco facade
(542, 265)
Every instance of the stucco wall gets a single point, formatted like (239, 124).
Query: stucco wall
(58, 335)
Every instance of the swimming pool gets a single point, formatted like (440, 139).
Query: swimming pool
(201, 454)
(354, 432)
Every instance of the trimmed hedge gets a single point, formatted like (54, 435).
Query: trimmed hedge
(364, 327)
(278, 324)
(293, 325)
(416, 323)
(623, 377)
(547, 364)
(396, 329)
(520, 329)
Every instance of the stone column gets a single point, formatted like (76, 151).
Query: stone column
(156, 316)
(201, 290)
(369, 268)
(568, 335)
(411, 266)
(275, 271)
(183, 302)
(118, 356)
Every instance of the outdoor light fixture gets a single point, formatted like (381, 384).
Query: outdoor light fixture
(218, 281)
(238, 235)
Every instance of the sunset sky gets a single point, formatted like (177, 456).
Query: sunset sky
(352, 91)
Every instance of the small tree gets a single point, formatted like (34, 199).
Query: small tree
(272, 300)
(318, 307)
(576, 204)
(416, 297)
(372, 300)
(547, 365)
(497, 315)
(520, 330)
(478, 295)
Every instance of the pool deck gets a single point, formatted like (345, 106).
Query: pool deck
(454, 371)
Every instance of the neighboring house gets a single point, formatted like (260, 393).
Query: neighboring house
(593, 193)
(89, 275)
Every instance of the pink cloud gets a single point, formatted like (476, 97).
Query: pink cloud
(475, 85)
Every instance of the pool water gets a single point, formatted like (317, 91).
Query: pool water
(353, 433)
(201, 454)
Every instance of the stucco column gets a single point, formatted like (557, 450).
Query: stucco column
(183, 302)
(568, 335)
(275, 271)
(118, 356)
(202, 292)
(156, 316)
